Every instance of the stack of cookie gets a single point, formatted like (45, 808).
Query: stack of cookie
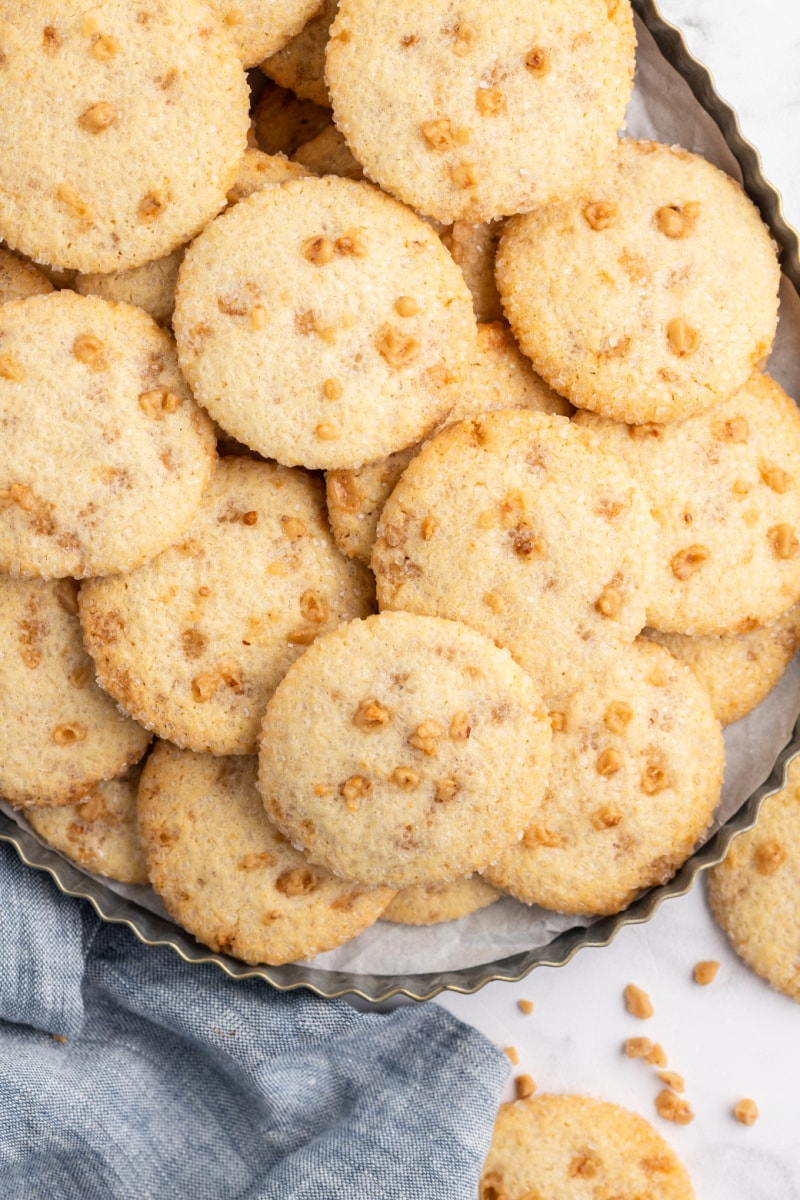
(462, 254)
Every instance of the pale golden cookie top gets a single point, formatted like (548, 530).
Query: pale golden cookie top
(635, 775)
(471, 110)
(323, 323)
(566, 1147)
(105, 454)
(99, 832)
(424, 751)
(648, 296)
(59, 733)
(754, 891)
(194, 642)
(724, 490)
(226, 874)
(120, 131)
(520, 525)
(260, 27)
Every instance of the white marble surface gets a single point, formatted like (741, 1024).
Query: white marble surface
(736, 1037)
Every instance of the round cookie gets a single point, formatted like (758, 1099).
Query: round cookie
(120, 132)
(740, 670)
(228, 876)
(258, 170)
(323, 323)
(150, 286)
(300, 65)
(648, 296)
(474, 247)
(59, 733)
(100, 832)
(473, 111)
(724, 489)
(440, 902)
(19, 278)
(499, 377)
(105, 454)
(635, 775)
(528, 529)
(194, 642)
(260, 27)
(754, 892)
(424, 752)
(572, 1147)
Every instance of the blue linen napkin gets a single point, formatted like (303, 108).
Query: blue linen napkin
(175, 1081)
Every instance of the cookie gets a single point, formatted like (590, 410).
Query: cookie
(373, 320)
(300, 65)
(120, 132)
(59, 733)
(194, 642)
(105, 454)
(282, 122)
(724, 489)
(499, 377)
(528, 529)
(224, 872)
(635, 775)
(424, 755)
(100, 832)
(754, 892)
(258, 170)
(150, 286)
(651, 294)
(329, 154)
(440, 902)
(261, 27)
(738, 671)
(474, 247)
(19, 278)
(475, 111)
(563, 1146)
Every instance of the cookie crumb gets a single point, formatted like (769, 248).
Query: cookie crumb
(525, 1007)
(638, 1002)
(638, 1047)
(671, 1107)
(705, 972)
(656, 1056)
(746, 1112)
(525, 1086)
(673, 1080)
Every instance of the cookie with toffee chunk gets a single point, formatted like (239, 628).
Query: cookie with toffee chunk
(194, 642)
(104, 454)
(472, 111)
(424, 754)
(648, 296)
(261, 27)
(635, 776)
(527, 528)
(59, 733)
(226, 874)
(121, 129)
(373, 319)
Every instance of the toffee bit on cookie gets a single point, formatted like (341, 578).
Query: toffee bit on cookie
(609, 762)
(525, 1007)
(600, 214)
(675, 221)
(405, 777)
(617, 716)
(638, 1002)
(673, 1108)
(397, 349)
(371, 715)
(460, 727)
(768, 857)
(104, 47)
(318, 250)
(524, 1086)
(406, 306)
(609, 602)
(90, 351)
(70, 733)
(98, 117)
(705, 972)
(746, 1112)
(687, 561)
(683, 339)
(537, 61)
(784, 541)
(11, 369)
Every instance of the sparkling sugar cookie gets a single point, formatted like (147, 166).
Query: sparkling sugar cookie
(740, 670)
(226, 874)
(261, 27)
(648, 296)
(121, 129)
(194, 642)
(755, 891)
(527, 528)
(635, 775)
(59, 733)
(471, 111)
(424, 751)
(104, 454)
(724, 490)
(100, 832)
(323, 323)
(562, 1147)
(499, 377)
